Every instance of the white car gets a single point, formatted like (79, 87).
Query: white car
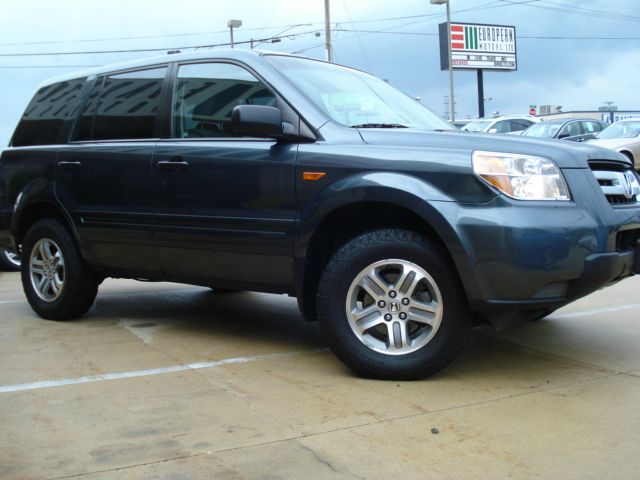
(504, 124)
(622, 136)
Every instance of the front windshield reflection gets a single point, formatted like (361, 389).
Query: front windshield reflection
(353, 98)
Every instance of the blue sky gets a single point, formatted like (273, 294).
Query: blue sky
(597, 58)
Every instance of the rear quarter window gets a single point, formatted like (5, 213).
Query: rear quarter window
(47, 113)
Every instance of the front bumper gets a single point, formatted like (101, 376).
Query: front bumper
(523, 258)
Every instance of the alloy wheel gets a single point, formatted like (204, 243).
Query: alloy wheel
(394, 307)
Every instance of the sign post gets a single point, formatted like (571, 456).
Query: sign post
(478, 47)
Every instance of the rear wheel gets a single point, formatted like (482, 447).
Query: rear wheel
(9, 261)
(391, 306)
(57, 282)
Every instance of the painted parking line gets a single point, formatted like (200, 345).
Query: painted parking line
(3, 302)
(153, 371)
(594, 311)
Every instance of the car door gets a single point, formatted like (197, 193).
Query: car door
(225, 204)
(104, 175)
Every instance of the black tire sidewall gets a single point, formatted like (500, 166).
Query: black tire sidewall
(80, 285)
(7, 264)
(349, 262)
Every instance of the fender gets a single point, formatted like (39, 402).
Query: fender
(39, 192)
(401, 190)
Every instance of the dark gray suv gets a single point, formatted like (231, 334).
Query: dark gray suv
(256, 171)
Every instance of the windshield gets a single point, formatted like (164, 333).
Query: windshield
(542, 129)
(477, 126)
(621, 130)
(354, 98)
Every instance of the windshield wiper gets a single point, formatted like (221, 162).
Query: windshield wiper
(379, 125)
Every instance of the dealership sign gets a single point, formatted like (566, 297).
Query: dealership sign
(479, 47)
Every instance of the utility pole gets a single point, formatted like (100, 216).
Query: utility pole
(327, 31)
(451, 97)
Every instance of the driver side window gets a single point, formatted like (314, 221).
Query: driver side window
(206, 93)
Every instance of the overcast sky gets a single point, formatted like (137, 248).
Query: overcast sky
(596, 60)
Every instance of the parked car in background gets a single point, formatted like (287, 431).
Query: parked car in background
(9, 261)
(572, 129)
(624, 137)
(460, 123)
(504, 124)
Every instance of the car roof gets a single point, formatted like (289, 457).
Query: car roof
(568, 120)
(226, 53)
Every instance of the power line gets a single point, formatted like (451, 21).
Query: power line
(586, 12)
(155, 49)
(145, 37)
(537, 37)
(168, 35)
(47, 66)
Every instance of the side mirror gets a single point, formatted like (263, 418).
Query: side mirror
(257, 121)
(563, 135)
(493, 130)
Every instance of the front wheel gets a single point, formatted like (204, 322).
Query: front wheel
(391, 306)
(57, 282)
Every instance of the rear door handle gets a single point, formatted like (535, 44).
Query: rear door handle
(68, 165)
(174, 163)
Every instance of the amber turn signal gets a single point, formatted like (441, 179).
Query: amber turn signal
(312, 176)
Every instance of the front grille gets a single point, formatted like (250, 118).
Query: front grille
(620, 184)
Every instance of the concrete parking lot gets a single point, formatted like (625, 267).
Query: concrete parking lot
(177, 382)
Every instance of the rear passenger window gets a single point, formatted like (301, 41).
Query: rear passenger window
(205, 95)
(127, 106)
(45, 116)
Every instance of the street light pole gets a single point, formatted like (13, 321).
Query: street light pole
(451, 97)
(327, 31)
(233, 24)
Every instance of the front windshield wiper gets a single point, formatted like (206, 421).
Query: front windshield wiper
(379, 125)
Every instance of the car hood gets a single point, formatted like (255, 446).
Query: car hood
(613, 142)
(565, 154)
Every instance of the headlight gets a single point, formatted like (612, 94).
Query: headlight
(523, 177)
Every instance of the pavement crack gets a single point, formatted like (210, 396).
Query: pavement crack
(551, 355)
(318, 457)
(126, 467)
(323, 461)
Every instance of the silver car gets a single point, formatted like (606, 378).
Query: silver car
(622, 136)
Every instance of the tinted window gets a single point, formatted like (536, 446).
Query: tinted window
(128, 105)
(45, 116)
(206, 94)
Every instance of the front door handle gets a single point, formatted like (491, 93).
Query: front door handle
(68, 165)
(174, 163)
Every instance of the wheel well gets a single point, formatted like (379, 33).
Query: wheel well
(627, 154)
(345, 223)
(32, 214)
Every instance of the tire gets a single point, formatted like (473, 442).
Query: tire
(57, 282)
(9, 261)
(436, 319)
